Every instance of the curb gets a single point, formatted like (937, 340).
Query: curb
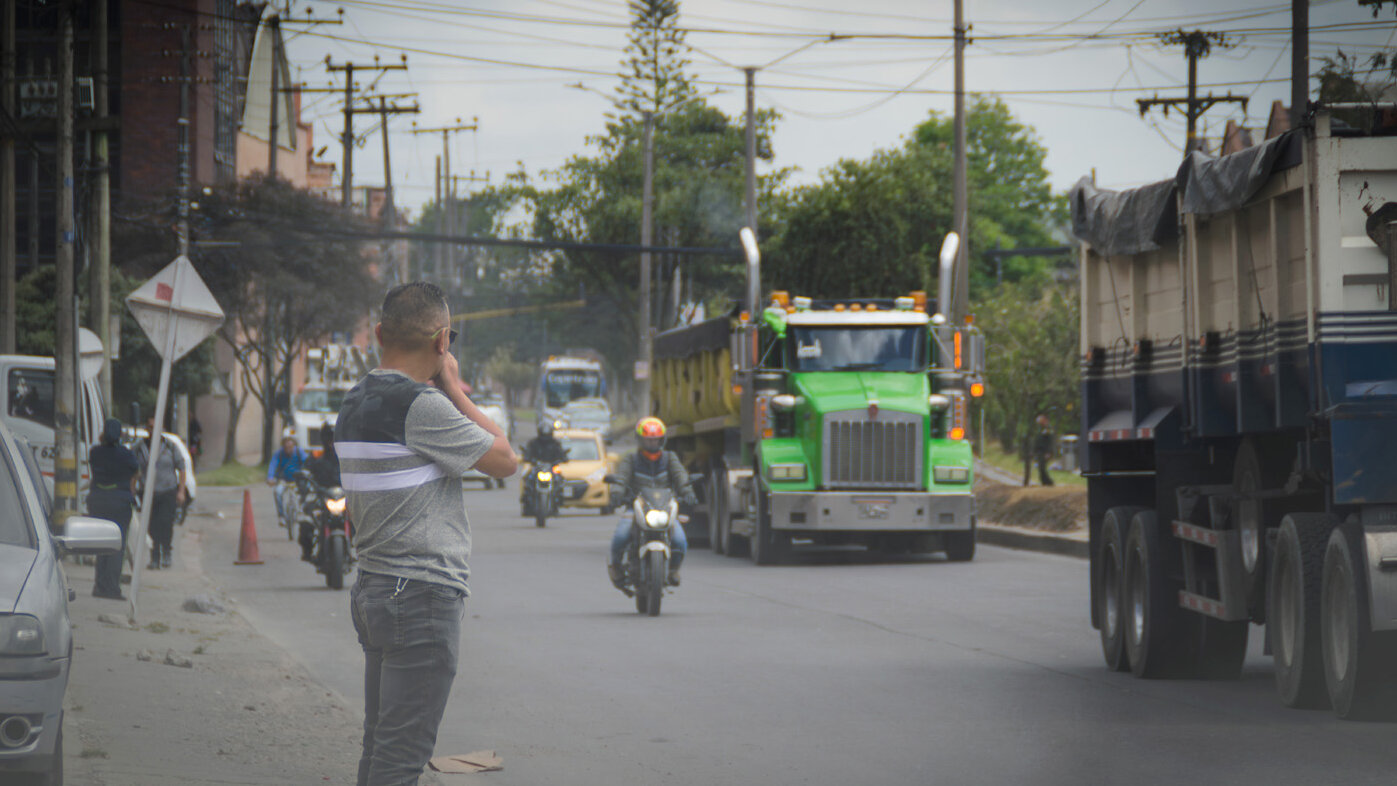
(1029, 540)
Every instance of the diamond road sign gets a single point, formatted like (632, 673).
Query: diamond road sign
(175, 300)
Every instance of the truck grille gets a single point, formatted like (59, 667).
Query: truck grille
(883, 452)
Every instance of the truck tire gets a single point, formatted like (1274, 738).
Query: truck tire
(1358, 671)
(960, 546)
(1110, 583)
(1255, 470)
(1154, 623)
(1293, 619)
(766, 546)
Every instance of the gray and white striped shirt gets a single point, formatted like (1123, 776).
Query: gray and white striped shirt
(403, 448)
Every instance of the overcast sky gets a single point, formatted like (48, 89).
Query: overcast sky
(1070, 69)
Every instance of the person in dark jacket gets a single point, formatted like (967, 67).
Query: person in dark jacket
(325, 471)
(1040, 452)
(651, 466)
(114, 470)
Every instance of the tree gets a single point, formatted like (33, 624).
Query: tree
(515, 375)
(874, 227)
(1031, 332)
(653, 76)
(282, 282)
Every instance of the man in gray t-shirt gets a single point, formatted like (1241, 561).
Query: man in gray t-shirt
(405, 436)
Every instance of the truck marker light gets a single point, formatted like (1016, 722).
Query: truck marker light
(838, 306)
(856, 307)
(977, 389)
(802, 303)
(957, 342)
(903, 304)
(969, 319)
(871, 307)
(957, 433)
(918, 300)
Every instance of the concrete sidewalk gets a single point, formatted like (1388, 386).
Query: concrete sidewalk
(240, 711)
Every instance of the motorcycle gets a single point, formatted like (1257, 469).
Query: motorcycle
(654, 514)
(327, 518)
(543, 493)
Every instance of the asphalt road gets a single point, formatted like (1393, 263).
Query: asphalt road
(844, 668)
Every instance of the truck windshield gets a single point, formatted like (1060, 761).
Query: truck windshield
(840, 348)
(560, 387)
(319, 400)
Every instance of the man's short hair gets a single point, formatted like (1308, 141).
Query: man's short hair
(411, 313)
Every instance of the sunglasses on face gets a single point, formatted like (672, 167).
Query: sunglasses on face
(451, 336)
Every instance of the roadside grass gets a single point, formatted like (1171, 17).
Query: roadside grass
(233, 474)
(995, 455)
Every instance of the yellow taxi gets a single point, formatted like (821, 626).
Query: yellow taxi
(588, 462)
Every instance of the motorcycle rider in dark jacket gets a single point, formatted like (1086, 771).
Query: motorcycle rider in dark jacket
(545, 448)
(651, 466)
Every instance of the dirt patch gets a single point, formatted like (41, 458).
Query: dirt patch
(1053, 509)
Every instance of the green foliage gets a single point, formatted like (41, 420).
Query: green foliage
(136, 373)
(874, 227)
(515, 375)
(698, 186)
(653, 77)
(1031, 336)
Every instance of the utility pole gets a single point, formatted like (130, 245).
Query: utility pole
(960, 196)
(273, 129)
(446, 257)
(389, 209)
(99, 275)
(461, 221)
(8, 251)
(439, 251)
(1197, 45)
(750, 188)
(347, 138)
(1299, 61)
(645, 332)
(65, 477)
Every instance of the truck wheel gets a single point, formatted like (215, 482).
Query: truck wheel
(960, 546)
(1110, 582)
(717, 509)
(1253, 472)
(1357, 662)
(1292, 621)
(1153, 620)
(766, 546)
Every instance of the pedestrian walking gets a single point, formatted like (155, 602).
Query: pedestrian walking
(114, 470)
(168, 496)
(405, 435)
(1040, 452)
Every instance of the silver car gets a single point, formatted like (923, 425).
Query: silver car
(36, 637)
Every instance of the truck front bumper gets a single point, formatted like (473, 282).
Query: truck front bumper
(827, 511)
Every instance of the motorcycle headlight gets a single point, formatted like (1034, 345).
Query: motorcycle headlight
(657, 519)
(951, 474)
(21, 634)
(335, 506)
(544, 477)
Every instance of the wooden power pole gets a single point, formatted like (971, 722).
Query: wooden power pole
(1197, 45)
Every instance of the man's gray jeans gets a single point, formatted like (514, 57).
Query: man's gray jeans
(411, 634)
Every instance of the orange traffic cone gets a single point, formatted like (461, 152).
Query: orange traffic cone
(247, 544)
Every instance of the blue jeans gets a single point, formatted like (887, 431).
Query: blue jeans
(621, 539)
(411, 634)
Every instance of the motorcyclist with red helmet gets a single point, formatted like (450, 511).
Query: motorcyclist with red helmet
(651, 466)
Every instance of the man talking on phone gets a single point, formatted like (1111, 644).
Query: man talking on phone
(405, 436)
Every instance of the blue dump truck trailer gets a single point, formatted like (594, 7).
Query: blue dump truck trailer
(1239, 415)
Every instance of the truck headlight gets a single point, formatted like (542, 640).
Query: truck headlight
(788, 472)
(21, 634)
(656, 519)
(951, 474)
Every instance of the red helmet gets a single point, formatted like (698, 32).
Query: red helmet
(650, 432)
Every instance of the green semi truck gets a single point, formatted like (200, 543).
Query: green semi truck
(826, 422)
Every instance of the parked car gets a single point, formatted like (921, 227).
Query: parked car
(494, 408)
(36, 636)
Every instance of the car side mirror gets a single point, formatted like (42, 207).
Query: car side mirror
(87, 535)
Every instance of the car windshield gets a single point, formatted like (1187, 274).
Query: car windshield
(581, 449)
(839, 348)
(31, 395)
(15, 527)
(319, 400)
(560, 387)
